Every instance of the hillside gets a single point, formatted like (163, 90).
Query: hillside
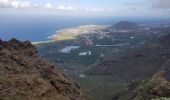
(156, 88)
(25, 76)
(138, 63)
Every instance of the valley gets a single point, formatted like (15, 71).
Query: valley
(105, 59)
(84, 49)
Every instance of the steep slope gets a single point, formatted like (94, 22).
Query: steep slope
(25, 76)
(157, 88)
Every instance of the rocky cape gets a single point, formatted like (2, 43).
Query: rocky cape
(25, 76)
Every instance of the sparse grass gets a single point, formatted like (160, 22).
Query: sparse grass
(101, 87)
(145, 90)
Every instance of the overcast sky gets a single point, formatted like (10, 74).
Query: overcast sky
(136, 8)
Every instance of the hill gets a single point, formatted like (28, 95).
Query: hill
(25, 76)
(125, 25)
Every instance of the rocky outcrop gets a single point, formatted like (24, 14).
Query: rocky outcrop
(25, 76)
(156, 88)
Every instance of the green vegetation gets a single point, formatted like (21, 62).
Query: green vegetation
(100, 87)
(138, 57)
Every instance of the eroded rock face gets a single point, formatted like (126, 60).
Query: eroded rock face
(25, 76)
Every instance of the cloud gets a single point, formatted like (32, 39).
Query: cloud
(48, 5)
(93, 9)
(14, 4)
(4, 1)
(163, 4)
(66, 8)
(26, 4)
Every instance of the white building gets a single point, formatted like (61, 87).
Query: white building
(88, 53)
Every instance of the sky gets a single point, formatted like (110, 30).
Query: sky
(135, 8)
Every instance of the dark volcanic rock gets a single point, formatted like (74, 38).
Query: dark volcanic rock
(25, 76)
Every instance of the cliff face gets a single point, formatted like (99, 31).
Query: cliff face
(25, 76)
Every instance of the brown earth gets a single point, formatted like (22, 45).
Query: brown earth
(25, 76)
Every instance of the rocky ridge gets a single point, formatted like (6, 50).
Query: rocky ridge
(25, 76)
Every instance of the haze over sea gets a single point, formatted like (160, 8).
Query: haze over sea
(38, 28)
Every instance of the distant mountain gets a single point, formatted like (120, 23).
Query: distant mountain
(25, 76)
(125, 25)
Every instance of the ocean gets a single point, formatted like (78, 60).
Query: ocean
(38, 28)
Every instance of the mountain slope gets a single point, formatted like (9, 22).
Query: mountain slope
(139, 63)
(25, 76)
(157, 88)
